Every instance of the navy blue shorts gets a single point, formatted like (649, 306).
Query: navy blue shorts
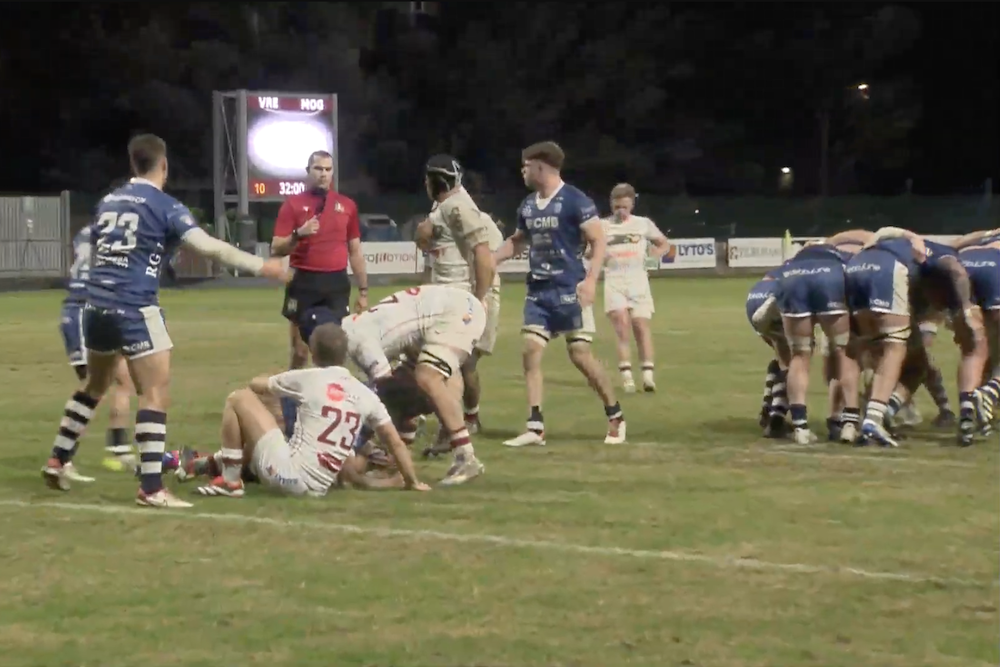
(812, 287)
(877, 281)
(133, 332)
(983, 267)
(551, 311)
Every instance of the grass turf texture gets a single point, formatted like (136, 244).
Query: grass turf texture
(697, 544)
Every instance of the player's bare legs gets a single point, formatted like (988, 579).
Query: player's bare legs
(151, 375)
(975, 355)
(890, 333)
(120, 454)
(643, 333)
(582, 356)
(621, 322)
(848, 381)
(245, 420)
(448, 407)
(799, 334)
(532, 351)
(472, 393)
(76, 417)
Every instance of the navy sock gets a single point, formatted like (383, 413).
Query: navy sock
(151, 440)
(290, 412)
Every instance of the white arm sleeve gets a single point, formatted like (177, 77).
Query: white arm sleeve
(203, 244)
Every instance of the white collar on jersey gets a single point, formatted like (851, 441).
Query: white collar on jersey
(143, 181)
(542, 203)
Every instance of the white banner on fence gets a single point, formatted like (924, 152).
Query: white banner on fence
(747, 253)
(689, 254)
(385, 257)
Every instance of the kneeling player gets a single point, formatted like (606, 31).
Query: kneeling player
(333, 406)
(444, 324)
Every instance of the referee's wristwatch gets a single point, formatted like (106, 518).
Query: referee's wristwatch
(295, 234)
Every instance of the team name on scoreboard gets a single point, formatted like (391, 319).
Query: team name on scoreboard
(275, 103)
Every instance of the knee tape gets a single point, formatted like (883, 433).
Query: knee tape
(800, 343)
(895, 334)
(842, 339)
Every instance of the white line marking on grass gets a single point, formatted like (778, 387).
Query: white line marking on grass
(810, 451)
(722, 562)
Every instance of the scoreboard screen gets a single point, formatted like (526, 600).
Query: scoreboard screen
(282, 132)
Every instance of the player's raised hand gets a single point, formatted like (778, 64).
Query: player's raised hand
(275, 269)
(585, 292)
(309, 227)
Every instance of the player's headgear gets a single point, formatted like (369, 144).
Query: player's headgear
(444, 173)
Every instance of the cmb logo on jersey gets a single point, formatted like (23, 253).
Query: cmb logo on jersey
(689, 254)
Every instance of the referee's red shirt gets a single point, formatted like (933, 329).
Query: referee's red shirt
(326, 250)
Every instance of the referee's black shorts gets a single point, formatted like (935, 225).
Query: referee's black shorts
(313, 289)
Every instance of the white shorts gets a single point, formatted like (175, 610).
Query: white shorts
(277, 467)
(766, 320)
(633, 296)
(453, 335)
(489, 338)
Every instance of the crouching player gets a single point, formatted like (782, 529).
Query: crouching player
(333, 407)
(765, 318)
(980, 255)
(444, 324)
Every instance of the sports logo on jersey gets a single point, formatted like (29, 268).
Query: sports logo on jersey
(335, 392)
(621, 239)
(557, 207)
(187, 220)
(338, 208)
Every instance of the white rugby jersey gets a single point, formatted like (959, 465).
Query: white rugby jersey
(459, 226)
(627, 247)
(333, 405)
(398, 322)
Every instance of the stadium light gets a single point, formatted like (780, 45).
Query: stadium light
(786, 170)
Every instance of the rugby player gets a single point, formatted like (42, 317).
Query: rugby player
(333, 407)
(118, 446)
(980, 255)
(440, 326)
(461, 239)
(765, 318)
(879, 280)
(811, 291)
(628, 301)
(554, 222)
(138, 226)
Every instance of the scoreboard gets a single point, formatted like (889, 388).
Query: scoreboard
(282, 131)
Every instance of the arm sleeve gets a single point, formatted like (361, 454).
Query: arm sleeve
(586, 211)
(285, 223)
(286, 384)
(353, 223)
(203, 244)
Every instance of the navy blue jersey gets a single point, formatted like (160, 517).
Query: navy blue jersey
(552, 228)
(137, 227)
(821, 251)
(901, 249)
(79, 272)
(936, 251)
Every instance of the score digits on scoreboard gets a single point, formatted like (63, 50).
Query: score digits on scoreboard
(282, 132)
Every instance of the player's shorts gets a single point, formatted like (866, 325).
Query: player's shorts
(633, 295)
(132, 332)
(313, 289)
(453, 334)
(71, 328)
(277, 466)
(553, 311)
(983, 267)
(877, 281)
(762, 310)
(812, 287)
(489, 339)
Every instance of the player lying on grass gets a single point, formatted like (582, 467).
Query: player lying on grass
(554, 222)
(443, 324)
(628, 300)
(333, 407)
(881, 280)
(461, 241)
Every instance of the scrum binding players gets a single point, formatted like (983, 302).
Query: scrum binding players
(138, 226)
(980, 256)
(118, 447)
(461, 239)
(332, 408)
(441, 325)
(554, 221)
(628, 301)
(765, 318)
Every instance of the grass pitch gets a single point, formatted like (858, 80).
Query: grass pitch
(696, 544)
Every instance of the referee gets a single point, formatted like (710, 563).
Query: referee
(320, 232)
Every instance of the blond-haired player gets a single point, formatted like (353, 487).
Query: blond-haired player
(461, 240)
(628, 301)
(439, 326)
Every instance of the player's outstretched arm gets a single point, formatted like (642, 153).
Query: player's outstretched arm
(198, 240)
(916, 240)
(973, 238)
(593, 232)
(512, 245)
(388, 434)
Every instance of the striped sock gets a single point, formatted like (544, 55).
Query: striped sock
(151, 439)
(77, 414)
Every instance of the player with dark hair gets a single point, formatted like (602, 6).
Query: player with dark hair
(461, 240)
(319, 231)
(137, 227)
(554, 223)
